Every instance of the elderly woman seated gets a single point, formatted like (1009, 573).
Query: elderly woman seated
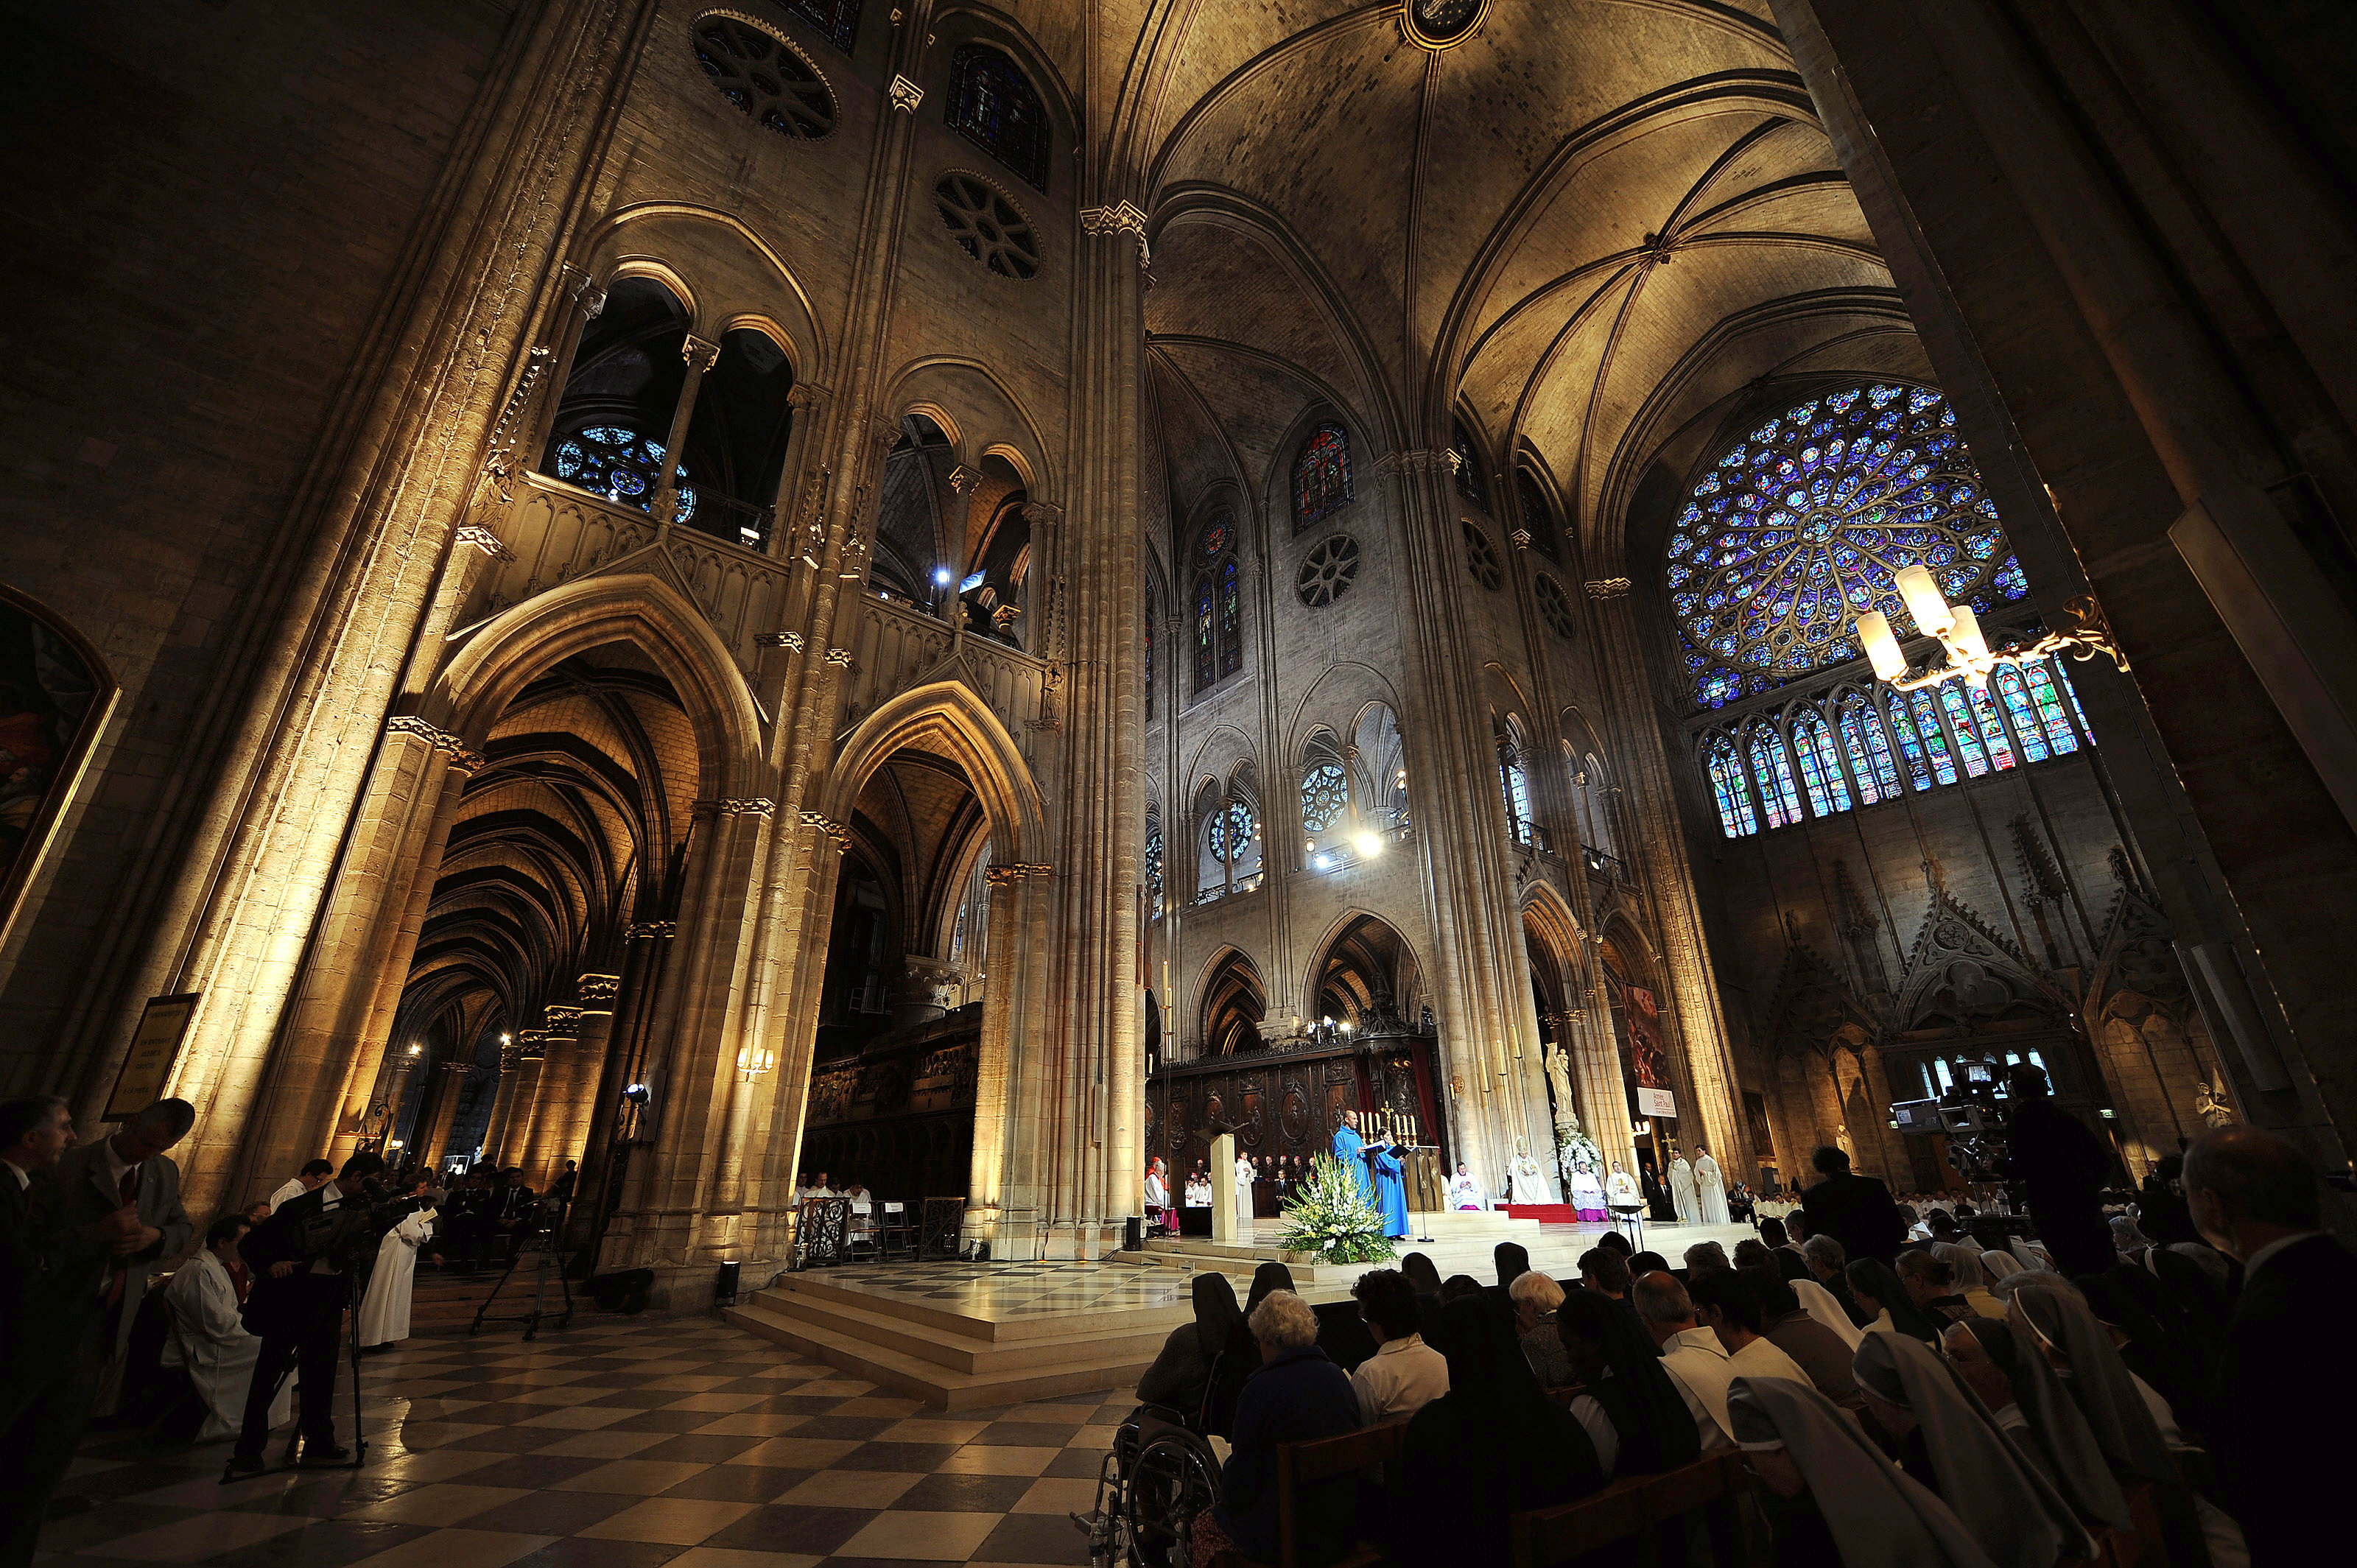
(1535, 1299)
(1297, 1395)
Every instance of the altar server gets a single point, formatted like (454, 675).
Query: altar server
(209, 1339)
(1682, 1191)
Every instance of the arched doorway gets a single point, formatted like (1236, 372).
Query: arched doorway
(895, 1069)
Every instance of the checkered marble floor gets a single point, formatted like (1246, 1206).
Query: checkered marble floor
(1003, 1293)
(618, 1443)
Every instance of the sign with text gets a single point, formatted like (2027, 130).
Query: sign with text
(155, 1047)
(1658, 1103)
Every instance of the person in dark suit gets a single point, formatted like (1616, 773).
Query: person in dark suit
(50, 1316)
(297, 1309)
(2063, 1166)
(131, 1167)
(1855, 1210)
(2289, 1380)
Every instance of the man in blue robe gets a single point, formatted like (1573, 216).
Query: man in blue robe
(1352, 1152)
(1391, 1187)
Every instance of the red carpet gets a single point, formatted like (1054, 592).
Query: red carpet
(1545, 1213)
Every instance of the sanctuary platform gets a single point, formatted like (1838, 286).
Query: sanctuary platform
(966, 1335)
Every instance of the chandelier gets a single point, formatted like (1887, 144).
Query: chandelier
(753, 1062)
(1967, 650)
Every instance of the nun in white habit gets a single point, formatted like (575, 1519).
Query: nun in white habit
(1821, 1304)
(385, 1310)
(1682, 1192)
(2008, 1503)
(1879, 1516)
(208, 1335)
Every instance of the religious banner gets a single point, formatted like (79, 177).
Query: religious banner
(54, 696)
(1653, 1068)
(1657, 1103)
(155, 1047)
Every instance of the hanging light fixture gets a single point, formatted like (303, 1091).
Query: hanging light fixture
(1966, 649)
(753, 1062)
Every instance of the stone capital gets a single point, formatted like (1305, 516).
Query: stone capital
(587, 294)
(598, 990)
(1042, 514)
(839, 655)
(1122, 218)
(807, 394)
(829, 826)
(450, 746)
(792, 641)
(650, 930)
(730, 806)
(1016, 871)
(906, 95)
(1418, 460)
(1607, 587)
(961, 478)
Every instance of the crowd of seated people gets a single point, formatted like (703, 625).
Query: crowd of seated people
(1956, 1405)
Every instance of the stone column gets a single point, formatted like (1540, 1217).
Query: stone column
(371, 530)
(699, 356)
(1699, 1050)
(569, 1083)
(1489, 1024)
(441, 1109)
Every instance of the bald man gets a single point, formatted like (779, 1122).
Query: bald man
(2290, 1377)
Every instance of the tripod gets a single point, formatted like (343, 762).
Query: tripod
(542, 1247)
(362, 1269)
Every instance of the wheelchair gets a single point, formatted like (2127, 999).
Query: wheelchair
(1160, 1475)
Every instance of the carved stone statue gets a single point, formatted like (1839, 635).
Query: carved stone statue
(1558, 1072)
(2212, 1107)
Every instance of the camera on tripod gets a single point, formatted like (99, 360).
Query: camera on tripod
(1974, 1118)
(346, 1238)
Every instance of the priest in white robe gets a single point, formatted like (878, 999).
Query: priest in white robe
(1620, 1189)
(1245, 1176)
(1682, 1192)
(1710, 1188)
(1464, 1192)
(1157, 1196)
(209, 1338)
(385, 1310)
(1526, 1179)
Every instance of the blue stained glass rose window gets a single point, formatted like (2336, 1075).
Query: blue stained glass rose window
(1798, 529)
(620, 465)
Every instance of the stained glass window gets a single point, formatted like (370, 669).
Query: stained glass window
(1537, 517)
(1325, 797)
(1232, 832)
(1800, 526)
(1968, 743)
(1232, 642)
(1870, 759)
(1927, 726)
(1735, 812)
(1207, 662)
(994, 106)
(620, 465)
(1149, 660)
(2019, 709)
(1467, 466)
(1772, 772)
(1517, 787)
(2050, 707)
(1321, 474)
(1154, 870)
(1821, 771)
(2062, 679)
(1218, 604)
(838, 20)
(2000, 749)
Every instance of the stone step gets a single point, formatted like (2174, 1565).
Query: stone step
(1076, 1370)
(859, 1318)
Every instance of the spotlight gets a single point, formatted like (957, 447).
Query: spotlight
(942, 576)
(1369, 847)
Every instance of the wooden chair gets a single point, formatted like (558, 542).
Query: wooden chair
(1303, 1465)
(1632, 1508)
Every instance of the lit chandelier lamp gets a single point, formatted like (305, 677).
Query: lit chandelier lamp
(1959, 631)
(754, 1063)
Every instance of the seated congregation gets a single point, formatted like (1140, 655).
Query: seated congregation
(1946, 1407)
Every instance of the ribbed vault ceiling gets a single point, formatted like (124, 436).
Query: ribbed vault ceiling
(1585, 229)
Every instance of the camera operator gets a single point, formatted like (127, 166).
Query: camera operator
(302, 1262)
(2061, 1167)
